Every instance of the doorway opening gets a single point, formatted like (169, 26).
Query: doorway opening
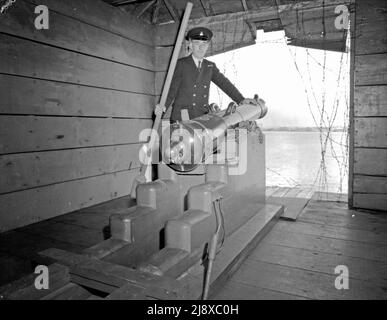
(307, 94)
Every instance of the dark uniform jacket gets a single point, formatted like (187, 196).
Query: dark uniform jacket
(190, 87)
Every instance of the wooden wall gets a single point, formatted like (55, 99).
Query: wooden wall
(368, 177)
(73, 100)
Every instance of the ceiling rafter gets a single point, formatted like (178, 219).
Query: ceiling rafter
(207, 7)
(122, 3)
(244, 4)
(146, 7)
(156, 11)
(171, 10)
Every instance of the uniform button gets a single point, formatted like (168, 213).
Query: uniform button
(194, 104)
(194, 95)
(195, 86)
(205, 96)
(205, 86)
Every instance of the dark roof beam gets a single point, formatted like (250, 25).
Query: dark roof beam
(146, 7)
(244, 4)
(156, 12)
(124, 2)
(171, 10)
(207, 7)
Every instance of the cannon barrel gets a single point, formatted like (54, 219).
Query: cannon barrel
(191, 142)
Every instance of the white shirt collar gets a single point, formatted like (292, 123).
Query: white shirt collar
(197, 61)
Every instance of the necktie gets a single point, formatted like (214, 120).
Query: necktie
(199, 65)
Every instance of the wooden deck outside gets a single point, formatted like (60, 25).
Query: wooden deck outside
(296, 260)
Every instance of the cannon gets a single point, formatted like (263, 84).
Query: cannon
(192, 142)
(204, 167)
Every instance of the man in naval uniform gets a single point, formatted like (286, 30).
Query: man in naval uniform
(190, 84)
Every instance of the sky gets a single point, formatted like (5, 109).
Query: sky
(292, 93)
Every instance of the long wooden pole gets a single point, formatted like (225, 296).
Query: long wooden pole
(164, 94)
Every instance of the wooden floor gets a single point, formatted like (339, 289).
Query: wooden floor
(296, 260)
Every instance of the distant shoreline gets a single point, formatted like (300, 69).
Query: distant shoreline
(300, 129)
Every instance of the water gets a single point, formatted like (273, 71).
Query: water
(295, 159)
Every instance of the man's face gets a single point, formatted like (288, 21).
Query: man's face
(199, 48)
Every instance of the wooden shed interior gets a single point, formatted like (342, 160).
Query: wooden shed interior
(74, 98)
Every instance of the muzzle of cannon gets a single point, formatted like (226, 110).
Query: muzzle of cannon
(189, 143)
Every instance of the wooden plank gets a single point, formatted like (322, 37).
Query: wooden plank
(350, 219)
(50, 133)
(166, 34)
(163, 57)
(329, 197)
(371, 132)
(367, 184)
(28, 170)
(70, 291)
(370, 101)
(133, 292)
(93, 221)
(294, 192)
(107, 208)
(33, 205)
(333, 232)
(93, 297)
(370, 162)
(104, 16)
(26, 58)
(128, 292)
(63, 257)
(349, 223)
(293, 206)
(172, 262)
(310, 284)
(370, 201)
(371, 34)
(70, 233)
(371, 69)
(69, 33)
(13, 267)
(118, 276)
(234, 290)
(104, 248)
(26, 245)
(306, 192)
(54, 98)
(361, 269)
(346, 248)
(281, 192)
(270, 191)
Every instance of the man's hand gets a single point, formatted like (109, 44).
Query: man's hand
(255, 101)
(159, 110)
(249, 101)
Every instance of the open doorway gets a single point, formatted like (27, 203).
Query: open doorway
(307, 93)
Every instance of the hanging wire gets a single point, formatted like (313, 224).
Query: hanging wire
(321, 118)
